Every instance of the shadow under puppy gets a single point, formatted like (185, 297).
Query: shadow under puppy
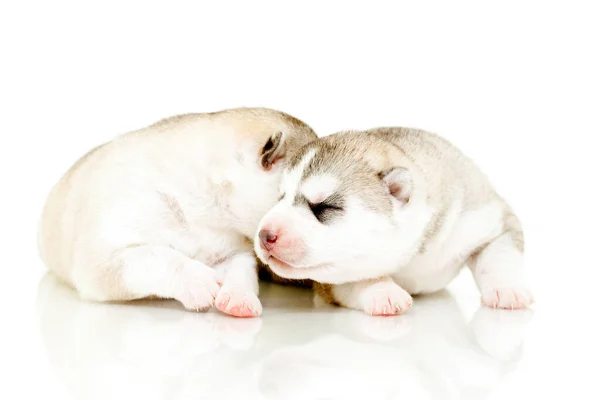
(376, 216)
(170, 210)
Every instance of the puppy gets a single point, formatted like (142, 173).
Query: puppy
(168, 211)
(379, 215)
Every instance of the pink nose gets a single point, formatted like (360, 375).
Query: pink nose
(267, 239)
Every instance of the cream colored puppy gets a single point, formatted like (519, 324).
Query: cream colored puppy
(379, 215)
(169, 210)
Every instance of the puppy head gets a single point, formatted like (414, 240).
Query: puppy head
(266, 139)
(344, 212)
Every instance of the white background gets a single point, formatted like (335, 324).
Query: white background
(515, 84)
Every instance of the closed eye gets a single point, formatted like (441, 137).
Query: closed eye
(281, 197)
(322, 211)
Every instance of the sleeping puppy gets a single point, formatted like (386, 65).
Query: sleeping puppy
(376, 216)
(168, 211)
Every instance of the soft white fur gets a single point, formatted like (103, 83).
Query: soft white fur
(168, 211)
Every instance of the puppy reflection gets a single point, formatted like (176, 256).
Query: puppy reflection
(155, 350)
(150, 350)
(429, 353)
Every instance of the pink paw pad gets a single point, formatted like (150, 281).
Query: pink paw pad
(390, 309)
(511, 299)
(244, 305)
(387, 300)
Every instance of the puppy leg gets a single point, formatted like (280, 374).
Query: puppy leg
(498, 272)
(375, 296)
(239, 294)
(143, 271)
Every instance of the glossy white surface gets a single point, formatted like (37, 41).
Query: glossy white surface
(444, 347)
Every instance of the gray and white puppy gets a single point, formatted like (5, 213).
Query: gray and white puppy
(378, 215)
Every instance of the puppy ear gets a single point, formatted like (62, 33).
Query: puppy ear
(398, 182)
(272, 151)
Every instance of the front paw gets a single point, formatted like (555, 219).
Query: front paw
(238, 303)
(197, 288)
(385, 298)
(511, 298)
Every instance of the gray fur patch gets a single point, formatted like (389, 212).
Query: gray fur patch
(433, 228)
(326, 211)
(344, 155)
(513, 227)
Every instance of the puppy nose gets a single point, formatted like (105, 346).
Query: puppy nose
(267, 239)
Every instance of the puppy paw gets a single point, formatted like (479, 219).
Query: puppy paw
(385, 298)
(238, 303)
(511, 298)
(197, 288)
